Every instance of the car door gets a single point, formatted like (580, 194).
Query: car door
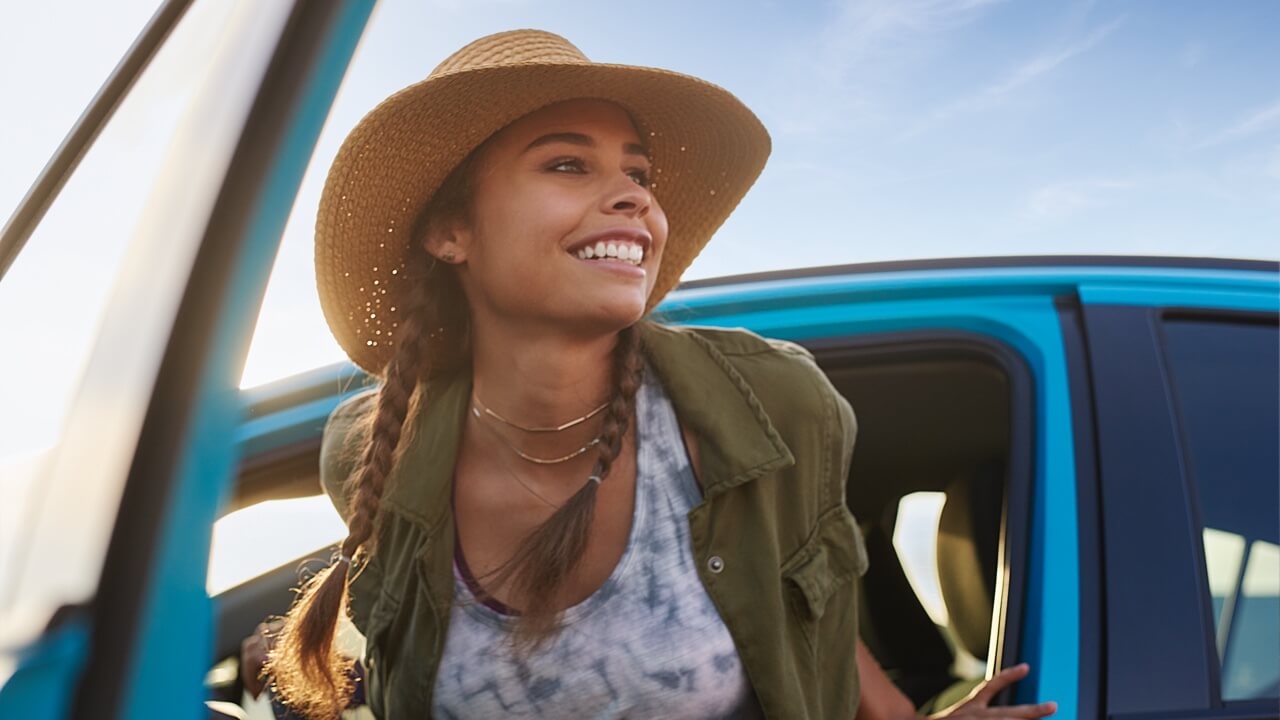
(1185, 386)
(103, 611)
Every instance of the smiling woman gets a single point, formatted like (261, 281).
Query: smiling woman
(492, 294)
(556, 506)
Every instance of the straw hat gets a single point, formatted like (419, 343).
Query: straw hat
(707, 150)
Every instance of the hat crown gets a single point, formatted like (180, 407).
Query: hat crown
(513, 47)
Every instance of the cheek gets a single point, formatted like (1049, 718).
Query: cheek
(529, 220)
(658, 228)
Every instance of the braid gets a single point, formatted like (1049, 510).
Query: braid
(628, 372)
(308, 672)
(544, 561)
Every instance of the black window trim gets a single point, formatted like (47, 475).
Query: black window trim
(1091, 688)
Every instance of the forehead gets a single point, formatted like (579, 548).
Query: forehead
(600, 119)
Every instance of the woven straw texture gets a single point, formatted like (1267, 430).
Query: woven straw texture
(707, 150)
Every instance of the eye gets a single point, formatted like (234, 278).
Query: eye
(567, 165)
(640, 176)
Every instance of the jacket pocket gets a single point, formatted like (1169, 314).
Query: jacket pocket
(832, 556)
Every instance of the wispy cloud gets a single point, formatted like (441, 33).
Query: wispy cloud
(1020, 76)
(1273, 166)
(1255, 122)
(1063, 199)
(863, 49)
(862, 27)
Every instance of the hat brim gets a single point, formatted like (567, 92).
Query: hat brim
(707, 148)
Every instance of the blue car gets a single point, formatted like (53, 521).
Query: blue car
(1069, 461)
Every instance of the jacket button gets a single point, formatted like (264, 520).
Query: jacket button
(715, 564)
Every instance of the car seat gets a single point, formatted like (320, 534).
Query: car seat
(896, 628)
(968, 549)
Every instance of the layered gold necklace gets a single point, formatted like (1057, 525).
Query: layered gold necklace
(482, 411)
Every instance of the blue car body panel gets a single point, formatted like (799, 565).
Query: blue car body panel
(169, 667)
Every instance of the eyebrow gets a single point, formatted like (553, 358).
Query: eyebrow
(583, 140)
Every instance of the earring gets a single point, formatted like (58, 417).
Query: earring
(448, 256)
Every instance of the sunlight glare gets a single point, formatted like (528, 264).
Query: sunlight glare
(249, 542)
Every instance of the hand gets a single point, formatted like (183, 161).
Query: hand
(976, 705)
(253, 655)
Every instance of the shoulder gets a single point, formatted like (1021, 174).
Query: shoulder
(731, 342)
(782, 375)
(339, 449)
(763, 363)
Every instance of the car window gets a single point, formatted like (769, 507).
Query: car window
(1225, 378)
(53, 296)
(249, 542)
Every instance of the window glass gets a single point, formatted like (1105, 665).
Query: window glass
(1249, 668)
(249, 542)
(52, 297)
(1226, 381)
(1224, 558)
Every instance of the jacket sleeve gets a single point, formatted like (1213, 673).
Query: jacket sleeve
(340, 448)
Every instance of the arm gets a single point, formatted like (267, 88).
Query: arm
(882, 701)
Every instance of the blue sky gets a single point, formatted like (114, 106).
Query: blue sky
(901, 128)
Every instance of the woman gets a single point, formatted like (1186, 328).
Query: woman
(557, 508)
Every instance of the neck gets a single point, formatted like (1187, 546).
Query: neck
(542, 380)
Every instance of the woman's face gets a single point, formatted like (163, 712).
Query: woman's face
(552, 192)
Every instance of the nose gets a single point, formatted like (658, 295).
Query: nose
(626, 197)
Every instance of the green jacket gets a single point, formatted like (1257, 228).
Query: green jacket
(775, 440)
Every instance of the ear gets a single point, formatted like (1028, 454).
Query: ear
(448, 241)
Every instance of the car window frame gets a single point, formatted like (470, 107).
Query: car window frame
(1151, 670)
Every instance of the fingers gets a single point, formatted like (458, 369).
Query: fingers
(1003, 679)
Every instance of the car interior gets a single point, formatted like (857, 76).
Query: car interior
(936, 414)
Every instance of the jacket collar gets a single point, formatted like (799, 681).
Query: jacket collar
(737, 441)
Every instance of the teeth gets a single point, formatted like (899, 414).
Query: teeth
(625, 252)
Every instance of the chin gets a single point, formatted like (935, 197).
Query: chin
(613, 314)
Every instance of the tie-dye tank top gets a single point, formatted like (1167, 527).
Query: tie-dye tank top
(648, 643)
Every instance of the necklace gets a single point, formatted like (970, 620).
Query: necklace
(533, 458)
(559, 428)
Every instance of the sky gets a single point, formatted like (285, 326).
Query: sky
(901, 128)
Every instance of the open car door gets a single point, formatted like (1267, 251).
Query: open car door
(103, 608)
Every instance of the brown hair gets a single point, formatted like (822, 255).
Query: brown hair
(307, 672)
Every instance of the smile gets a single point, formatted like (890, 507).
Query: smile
(618, 250)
